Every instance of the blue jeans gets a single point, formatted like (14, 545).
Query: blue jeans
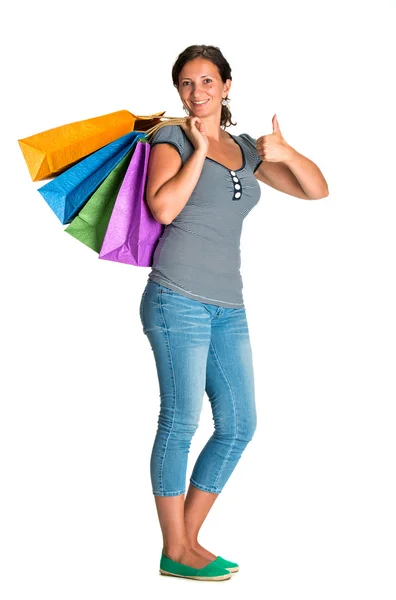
(198, 347)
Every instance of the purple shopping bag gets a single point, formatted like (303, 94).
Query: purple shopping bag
(132, 232)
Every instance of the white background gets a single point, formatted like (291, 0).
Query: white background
(309, 511)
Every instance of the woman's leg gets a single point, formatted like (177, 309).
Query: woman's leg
(176, 545)
(178, 329)
(230, 388)
(196, 508)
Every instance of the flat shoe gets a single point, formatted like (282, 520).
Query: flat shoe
(232, 567)
(211, 572)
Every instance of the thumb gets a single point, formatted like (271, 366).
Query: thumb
(275, 125)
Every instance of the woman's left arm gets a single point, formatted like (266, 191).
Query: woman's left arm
(286, 170)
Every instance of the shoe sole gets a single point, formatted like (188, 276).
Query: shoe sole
(218, 578)
(232, 569)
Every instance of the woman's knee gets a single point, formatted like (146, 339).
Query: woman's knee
(241, 427)
(246, 429)
(241, 434)
(179, 423)
(247, 434)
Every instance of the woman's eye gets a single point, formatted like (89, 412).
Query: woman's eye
(189, 82)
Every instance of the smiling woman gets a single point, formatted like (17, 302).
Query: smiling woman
(198, 90)
(201, 183)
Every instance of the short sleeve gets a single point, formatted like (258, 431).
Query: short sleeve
(170, 134)
(252, 154)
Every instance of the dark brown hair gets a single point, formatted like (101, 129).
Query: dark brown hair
(213, 54)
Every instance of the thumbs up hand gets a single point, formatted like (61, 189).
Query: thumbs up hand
(273, 147)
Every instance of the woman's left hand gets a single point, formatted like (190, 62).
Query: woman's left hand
(273, 147)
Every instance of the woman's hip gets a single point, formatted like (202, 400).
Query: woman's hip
(197, 348)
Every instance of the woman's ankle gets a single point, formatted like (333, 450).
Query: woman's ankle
(175, 551)
(192, 543)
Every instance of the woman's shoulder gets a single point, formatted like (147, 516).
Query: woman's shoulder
(171, 131)
(247, 139)
(249, 144)
(170, 134)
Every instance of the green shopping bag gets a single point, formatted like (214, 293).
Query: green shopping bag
(90, 224)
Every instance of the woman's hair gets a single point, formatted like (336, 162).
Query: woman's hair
(213, 54)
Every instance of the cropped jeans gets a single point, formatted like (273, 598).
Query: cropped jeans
(198, 348)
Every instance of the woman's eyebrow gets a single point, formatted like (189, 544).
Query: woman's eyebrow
(201, 77)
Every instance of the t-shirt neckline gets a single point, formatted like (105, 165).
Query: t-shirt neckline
(221, 165)
(243, 157)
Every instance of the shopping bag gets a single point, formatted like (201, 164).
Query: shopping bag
(90, 224)
(68, 192)
(132, 233)
(53, 150)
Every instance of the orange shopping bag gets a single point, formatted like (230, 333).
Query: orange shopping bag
(50, 152)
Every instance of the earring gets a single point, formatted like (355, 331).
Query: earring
(225, 102)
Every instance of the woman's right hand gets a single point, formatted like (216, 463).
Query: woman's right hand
(194, 129)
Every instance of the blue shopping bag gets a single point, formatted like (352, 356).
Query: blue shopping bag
(69, 191)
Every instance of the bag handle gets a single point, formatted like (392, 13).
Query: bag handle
(169, 121)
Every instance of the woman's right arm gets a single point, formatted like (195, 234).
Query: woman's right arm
(169, 183)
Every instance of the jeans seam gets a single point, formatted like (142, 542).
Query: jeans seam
(174, 388)
(205, 488)
(162, 493)
(235, 413)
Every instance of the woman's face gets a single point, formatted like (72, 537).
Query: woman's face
(199, 80)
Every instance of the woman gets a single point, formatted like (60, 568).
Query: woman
(201, 183)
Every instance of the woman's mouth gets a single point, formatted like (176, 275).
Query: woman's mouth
(200, 103)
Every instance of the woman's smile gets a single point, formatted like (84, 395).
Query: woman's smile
(201, 103)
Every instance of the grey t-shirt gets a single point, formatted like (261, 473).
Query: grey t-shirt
(198, 253)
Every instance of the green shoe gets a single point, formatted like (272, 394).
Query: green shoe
(211, 572)
(227, 564)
